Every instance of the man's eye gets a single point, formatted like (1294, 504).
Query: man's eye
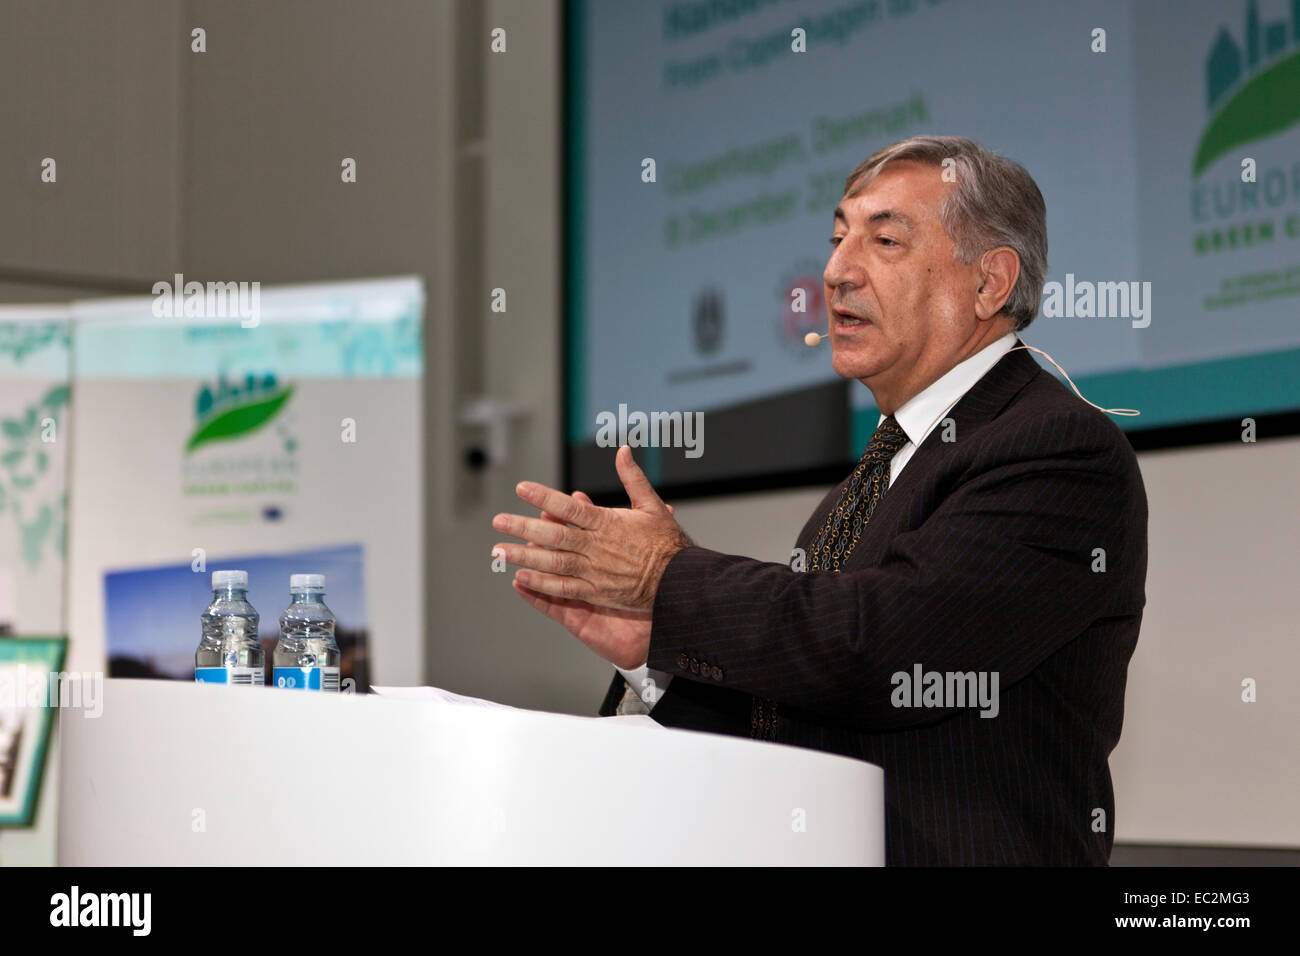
(886, 241)
(835, 240)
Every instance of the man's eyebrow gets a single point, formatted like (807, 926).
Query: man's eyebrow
(884, 215)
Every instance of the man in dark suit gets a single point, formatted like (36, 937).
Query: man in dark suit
(961, 610)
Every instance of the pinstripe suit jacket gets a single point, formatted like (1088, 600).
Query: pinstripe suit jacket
(984, 555)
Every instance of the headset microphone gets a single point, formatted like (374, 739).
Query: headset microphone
(813, 339)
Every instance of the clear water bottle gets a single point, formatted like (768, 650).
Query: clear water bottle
(307, 656)
(229, 651)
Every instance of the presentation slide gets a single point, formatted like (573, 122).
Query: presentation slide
(708, 144)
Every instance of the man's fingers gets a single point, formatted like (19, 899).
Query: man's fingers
(542, 559)
(567, 508)
(582, 496)
(553, 519)
(578, 495)
(551, 534)
(639, 490)
(551, 607)
(554, 585)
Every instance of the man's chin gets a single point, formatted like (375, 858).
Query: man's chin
(854, 366)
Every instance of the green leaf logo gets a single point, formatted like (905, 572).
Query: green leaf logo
(240, 420)
(1267, 104)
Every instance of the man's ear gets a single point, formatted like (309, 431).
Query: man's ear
(999, 269)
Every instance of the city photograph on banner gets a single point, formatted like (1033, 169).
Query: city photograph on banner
(152, 614)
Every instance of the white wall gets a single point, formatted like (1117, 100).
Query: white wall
(92, 86)
(1195, 763)
(483, 639)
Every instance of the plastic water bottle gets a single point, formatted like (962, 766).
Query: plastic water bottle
(229, 651)
(307, 656)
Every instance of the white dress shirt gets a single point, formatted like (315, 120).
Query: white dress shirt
(918, 416)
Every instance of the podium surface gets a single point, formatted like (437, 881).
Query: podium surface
(174, 773)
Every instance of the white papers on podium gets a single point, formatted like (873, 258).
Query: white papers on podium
(437, 694)
(440, 696)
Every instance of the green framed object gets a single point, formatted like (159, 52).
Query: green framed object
(29, 686)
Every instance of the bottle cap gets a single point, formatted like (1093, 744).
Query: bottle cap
(229, 579)
(299, 582)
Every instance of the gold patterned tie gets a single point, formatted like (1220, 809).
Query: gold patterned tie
(840, 532)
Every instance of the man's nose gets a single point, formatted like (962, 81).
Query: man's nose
(841, 270)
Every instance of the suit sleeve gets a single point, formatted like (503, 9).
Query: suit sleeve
(1000, 575)
(613, 694)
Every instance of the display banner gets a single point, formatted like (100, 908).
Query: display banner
(271, 430)
(35, 352)
(34, 356)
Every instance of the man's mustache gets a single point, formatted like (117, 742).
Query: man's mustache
(851, 310)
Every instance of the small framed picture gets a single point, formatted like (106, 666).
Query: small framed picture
(30, 668)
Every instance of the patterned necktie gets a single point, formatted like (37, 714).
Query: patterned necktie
(840, 532)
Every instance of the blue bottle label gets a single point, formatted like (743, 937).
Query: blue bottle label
(307, 678)
(247, 676)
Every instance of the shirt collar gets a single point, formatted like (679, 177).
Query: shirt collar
(922, 411)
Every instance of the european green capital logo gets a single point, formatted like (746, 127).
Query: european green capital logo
(231, 410)
(1253, 92)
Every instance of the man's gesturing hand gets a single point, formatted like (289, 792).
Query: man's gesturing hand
(607, 557)
(620, 637)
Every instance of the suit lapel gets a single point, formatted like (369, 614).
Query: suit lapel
(985, 399)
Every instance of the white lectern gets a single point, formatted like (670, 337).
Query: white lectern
(178, 773)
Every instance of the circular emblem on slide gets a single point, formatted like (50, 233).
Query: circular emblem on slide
(803, 305)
